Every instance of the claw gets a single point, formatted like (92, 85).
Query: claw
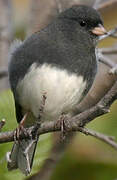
(20, 129)
(64, 124)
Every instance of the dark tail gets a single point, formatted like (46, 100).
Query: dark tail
(22, 155)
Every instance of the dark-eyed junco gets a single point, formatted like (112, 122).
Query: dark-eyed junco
(59, 61)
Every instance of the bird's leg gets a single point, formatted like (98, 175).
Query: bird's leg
(21, 128)
(63, 122)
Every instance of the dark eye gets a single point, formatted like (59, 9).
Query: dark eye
(83, 23)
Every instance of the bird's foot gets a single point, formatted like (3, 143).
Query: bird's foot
(20, 129)
(63, 122)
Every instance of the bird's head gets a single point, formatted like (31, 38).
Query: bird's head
(86, 18)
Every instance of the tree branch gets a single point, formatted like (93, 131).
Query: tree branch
(59, 6)
(107, 4)
(96, 4)
(105, 138)
(109, 63)
(74, 123)
(109, 50)
(111, 33)
(105, 59)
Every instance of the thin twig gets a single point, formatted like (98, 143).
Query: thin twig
(114, 35)
(107, 139)
(96, 4)
(106, 4)
(109, 50)
(77, 121)
(59, 6)
(107, 61)
(110, 33)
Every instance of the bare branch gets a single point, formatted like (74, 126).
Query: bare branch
(109, 50)
(77, 121)
(109, 63)
(109, 3)
(110, 33)
(105, 138)
(59, 6)
(96, 4)
(49, 165)
(105, 60)
(113, 70)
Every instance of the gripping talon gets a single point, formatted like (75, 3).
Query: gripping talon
(20, 128)
(63, 123)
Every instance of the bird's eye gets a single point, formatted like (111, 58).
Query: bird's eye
(83, 23)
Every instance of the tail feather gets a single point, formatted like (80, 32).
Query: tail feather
(22, 155)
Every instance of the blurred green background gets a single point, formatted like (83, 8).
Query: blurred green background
(87, 158)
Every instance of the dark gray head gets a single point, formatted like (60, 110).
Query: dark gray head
(88, 19)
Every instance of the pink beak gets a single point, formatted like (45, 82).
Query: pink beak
(100, 30)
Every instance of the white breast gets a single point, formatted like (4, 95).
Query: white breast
(63, 90)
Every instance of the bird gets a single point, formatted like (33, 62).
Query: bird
(59, 61)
